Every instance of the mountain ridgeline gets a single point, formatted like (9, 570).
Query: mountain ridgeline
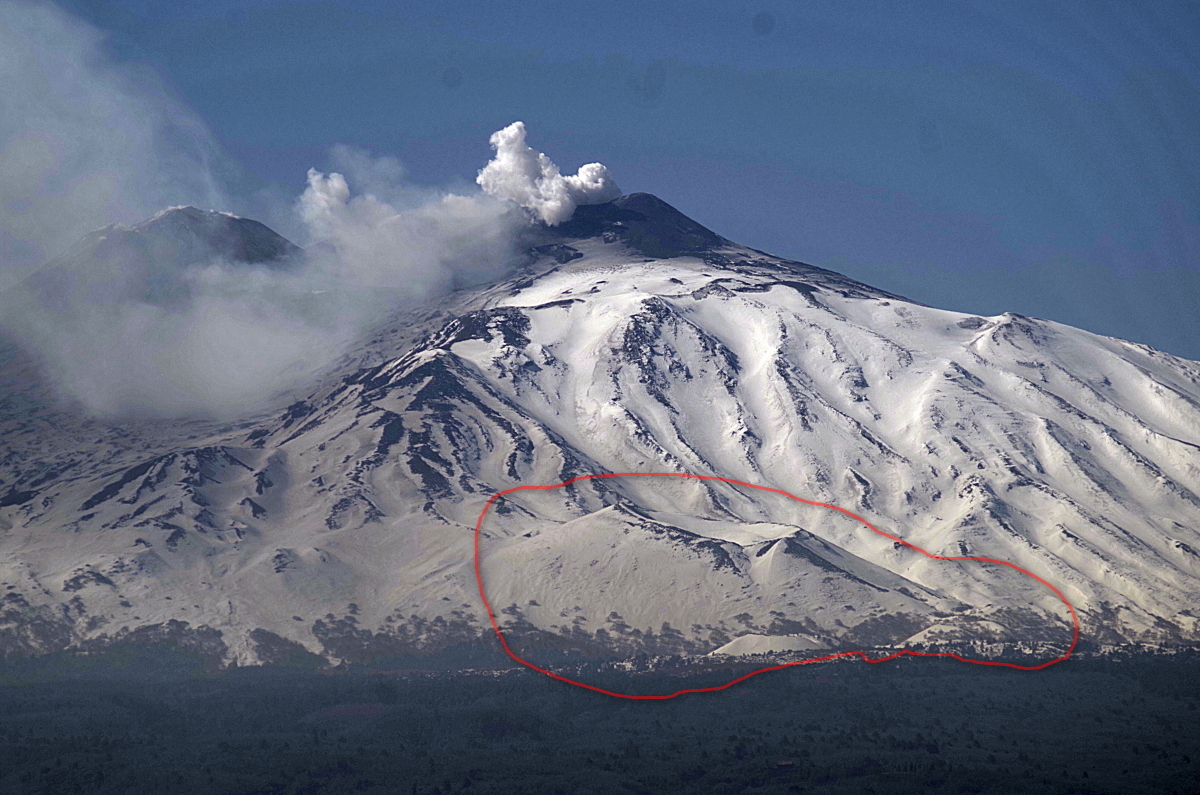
(632, 339)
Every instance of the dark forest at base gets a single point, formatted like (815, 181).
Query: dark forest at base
(912, 725)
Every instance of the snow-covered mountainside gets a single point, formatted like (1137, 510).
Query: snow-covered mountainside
(633, 340)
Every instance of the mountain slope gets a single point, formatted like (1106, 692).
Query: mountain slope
(634, 340)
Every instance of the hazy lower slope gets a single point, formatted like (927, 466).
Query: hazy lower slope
(634, 340)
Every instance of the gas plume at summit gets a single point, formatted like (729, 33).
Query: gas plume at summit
(532, 180)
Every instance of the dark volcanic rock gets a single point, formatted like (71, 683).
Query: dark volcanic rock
(645, 222)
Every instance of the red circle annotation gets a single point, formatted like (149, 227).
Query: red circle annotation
(903, 652)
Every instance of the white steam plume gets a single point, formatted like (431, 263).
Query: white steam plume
(85, 142)
(434, 242)
(222, 338)
(529, 178)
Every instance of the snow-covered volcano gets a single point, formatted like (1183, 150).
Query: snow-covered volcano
(632, 340)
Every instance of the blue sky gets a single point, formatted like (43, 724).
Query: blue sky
(1040, 158)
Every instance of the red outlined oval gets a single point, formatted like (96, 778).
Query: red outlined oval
(504, 643)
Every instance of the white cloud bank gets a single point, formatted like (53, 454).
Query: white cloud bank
(518, 173)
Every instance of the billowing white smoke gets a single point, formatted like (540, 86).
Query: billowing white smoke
(220, 338)
(398, 245)
(529, 178)
(432, 242)
(85, 142)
